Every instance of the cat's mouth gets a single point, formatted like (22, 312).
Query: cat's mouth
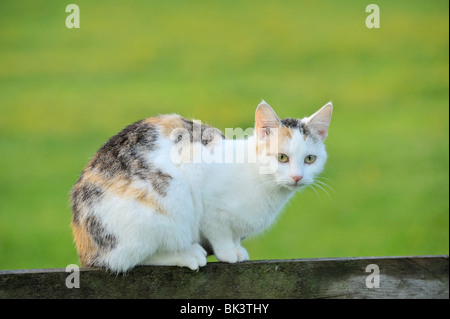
(294, 185)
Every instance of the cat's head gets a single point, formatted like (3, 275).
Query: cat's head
(291, 150)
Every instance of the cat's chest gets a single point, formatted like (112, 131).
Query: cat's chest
(234, 195)
(245, 212)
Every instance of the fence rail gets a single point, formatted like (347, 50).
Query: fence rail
(361, 277)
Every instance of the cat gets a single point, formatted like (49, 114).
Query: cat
(166, 191)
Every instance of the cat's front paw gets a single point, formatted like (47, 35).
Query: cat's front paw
(194, 258)
(233, 255)
(242, 254)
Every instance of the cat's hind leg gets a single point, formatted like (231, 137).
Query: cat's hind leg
(193, 258)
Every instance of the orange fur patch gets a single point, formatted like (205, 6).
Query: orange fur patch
(166, 123)
(284, 133)
(120, 186)
(275, 142)
(85, 247)
(123, 187)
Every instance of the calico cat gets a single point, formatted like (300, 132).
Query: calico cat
(165, 190)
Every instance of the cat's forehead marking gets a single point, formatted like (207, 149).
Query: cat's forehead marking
(296, 124)
(282, 138)
(285, 132)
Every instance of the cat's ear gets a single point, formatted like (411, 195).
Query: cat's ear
(265, 119)
(320, 121)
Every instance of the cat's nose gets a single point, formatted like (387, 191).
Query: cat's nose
(296, 178)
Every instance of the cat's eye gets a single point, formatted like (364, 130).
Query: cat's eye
(309, 159)
(282, 158)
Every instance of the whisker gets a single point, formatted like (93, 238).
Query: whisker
(325, 185)
(315, 191)
(321, 177)
(318, 185)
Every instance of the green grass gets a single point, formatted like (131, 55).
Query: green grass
(63, 92)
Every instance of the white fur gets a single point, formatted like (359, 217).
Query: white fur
(220, 203)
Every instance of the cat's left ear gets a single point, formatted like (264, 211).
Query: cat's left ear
(320, 121)
(265, 120)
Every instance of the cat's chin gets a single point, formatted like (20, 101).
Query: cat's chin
(293, 187)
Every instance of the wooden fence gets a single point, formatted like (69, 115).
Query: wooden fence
(373, 277)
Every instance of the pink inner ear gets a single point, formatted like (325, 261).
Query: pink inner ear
(323, 134)
(263, 132)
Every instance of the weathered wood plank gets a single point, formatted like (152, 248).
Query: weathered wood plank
(400, 277)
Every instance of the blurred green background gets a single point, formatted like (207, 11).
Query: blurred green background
(64, 92)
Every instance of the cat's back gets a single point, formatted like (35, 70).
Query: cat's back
(142, 153)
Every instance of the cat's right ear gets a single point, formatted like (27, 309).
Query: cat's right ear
(265, 120)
